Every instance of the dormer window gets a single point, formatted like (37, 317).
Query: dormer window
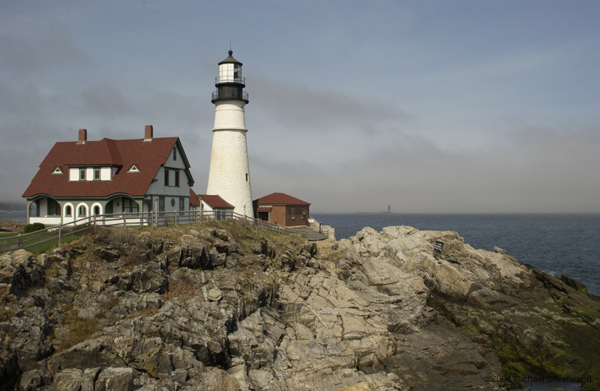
(133, 168)
(57, 170)
(93, 173)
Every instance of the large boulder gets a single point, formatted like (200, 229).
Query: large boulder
(18, 271)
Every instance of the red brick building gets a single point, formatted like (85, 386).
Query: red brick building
(282, 209)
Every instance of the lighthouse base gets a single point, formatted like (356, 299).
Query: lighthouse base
(229, 175)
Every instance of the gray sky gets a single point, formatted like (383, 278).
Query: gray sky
(437, 106)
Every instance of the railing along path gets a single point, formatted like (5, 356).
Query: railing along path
(58, 232)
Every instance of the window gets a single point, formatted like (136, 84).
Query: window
(175, 174)
(130, 206)
(97, 175)
(96, 210)
(53, 207)
(82, 211)
(181, 204)
(292, 213)
(68, 210)
(175, 153)
(82, 174)
(161, 204)
(246, 177)
(34, 209)
(57, 170)
(109, 208)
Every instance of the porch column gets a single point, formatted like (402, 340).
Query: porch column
(28, 206)
(140, 204)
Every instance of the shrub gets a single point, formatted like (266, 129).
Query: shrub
(33, 227)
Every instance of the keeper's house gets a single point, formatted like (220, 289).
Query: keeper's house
(84, 178)
(282, 209)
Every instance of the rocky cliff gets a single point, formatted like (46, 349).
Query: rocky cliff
(225, 307)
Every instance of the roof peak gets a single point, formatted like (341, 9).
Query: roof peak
(280, 198)
(230, 59)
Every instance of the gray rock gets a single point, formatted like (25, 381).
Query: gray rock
(31, 380)
(69, 380)
(108, 254)
(148, 278)
(115, 379)
(215, 294)
(216, 379)
(18, 271)
(217, 258)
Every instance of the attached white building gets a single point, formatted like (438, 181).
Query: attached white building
(215, 206)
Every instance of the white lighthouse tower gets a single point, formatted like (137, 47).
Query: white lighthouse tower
(229, 174)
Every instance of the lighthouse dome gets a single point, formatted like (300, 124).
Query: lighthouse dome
(230, 59)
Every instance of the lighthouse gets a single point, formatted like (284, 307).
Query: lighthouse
(229, 174)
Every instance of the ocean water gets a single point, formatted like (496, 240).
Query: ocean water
(556, 243)
(13, 211)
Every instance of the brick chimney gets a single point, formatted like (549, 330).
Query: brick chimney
(148, 133)
(82, 136)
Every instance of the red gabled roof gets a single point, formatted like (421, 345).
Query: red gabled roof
(148, 156)
(280, 199)
(215, 201)
(194, 200)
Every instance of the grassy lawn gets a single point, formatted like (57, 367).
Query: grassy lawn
(37, 236)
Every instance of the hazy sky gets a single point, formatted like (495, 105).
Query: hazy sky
(430, 106)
